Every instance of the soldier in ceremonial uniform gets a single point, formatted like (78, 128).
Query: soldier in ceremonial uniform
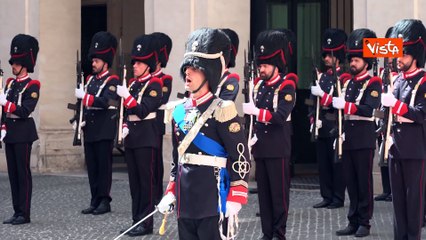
(142, 98)
(18, 129)
(228, 87)
(332, 187)
(207, 133)
(274, 99)
(408, 152)
(384, 169)
(164, 47)
(360, 96)
(100, 121)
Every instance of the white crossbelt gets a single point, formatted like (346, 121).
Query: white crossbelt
(358, 118)
(203, 160)
(11, 115)
(403, 120)
(98, 108)
(135, 118)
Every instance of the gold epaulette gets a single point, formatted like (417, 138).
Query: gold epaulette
(170, 107)
(225, 111)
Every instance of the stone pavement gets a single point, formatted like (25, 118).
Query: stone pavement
(57, 201)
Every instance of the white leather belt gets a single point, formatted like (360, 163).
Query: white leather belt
(11, 115)
(403, 120)
(98, 108)
(203, 160)
(358, 118)
(135, 118)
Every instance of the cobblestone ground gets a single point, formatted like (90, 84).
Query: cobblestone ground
(57, 201)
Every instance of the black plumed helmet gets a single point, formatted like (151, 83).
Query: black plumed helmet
(333, 40)
(164, 47)
(103, 46)
(413, 33)
(290, 51)
(233, 36)
(389, 32)
(270, 49)
(145, 50)
(23, 50)
(206, 49)
(355, 42)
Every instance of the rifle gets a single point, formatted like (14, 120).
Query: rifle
(78, 106)
(1, 88)
(339, 139)
(387, 121)
(314, 132)
(121, 112)
(249, 75)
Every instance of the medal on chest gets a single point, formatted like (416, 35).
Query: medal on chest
(191, 116)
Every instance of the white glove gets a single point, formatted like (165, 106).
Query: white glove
(2, 134)
(252, 141)
(167, 203)
(339, 102)
(319, 124)
(317, 91)
(232, 208)
(388, 100)
(74, 125)
(122, 91)
(79, 93)
(3, 99)
(125, 132)
(250, 109)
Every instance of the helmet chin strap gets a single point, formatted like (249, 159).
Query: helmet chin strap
(270, 76)
(142, 73)
(199, 88)
(20, 70)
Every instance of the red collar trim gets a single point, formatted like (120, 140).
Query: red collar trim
(330, 70)
(102, 74)
(411, 74)
(273, 81)
(156, 74)
(144, 78)
(25, 77)
(201, 100)
(361, 77)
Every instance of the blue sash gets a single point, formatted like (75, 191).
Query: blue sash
(206, 144)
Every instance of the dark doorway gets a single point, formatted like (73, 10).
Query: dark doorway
(307, 19)
(93, 20)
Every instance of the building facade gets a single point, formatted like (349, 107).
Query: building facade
(63, 27)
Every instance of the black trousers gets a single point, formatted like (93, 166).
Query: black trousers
(98, 157)
(159, 170)
(332, 184)
(199, 229)
(384, 171)
(408, 183)
(273, 185)
(358, 170)
(18, 167)
(141, 167)
(385, 180)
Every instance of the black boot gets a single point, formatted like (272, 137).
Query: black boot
(381, 197)
(88, 210)
(103, 207)
(140, 230)
(349, 230)
(9, 220)
(322, 204)
(362, 231)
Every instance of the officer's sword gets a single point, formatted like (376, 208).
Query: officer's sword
(134, 225)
